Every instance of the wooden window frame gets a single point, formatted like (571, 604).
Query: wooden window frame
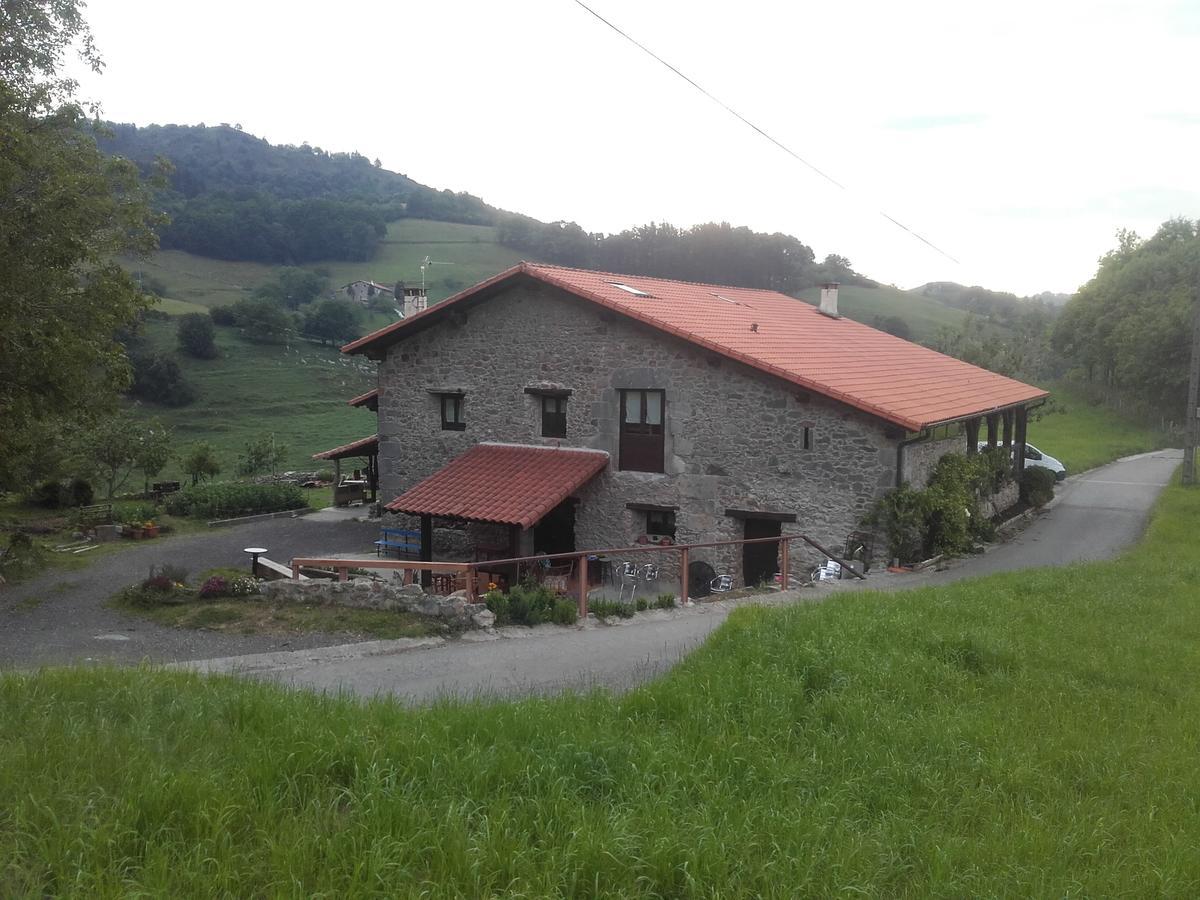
(642, 444)
(453, 403)
(554, 423)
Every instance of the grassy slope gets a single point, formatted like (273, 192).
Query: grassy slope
(924, 315)
(467, 254)
(1027, 734)
(297, 392)
(1084, 435)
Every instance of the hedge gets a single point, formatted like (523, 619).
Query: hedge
(227, 499)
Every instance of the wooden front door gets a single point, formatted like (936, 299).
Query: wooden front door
(760, 562)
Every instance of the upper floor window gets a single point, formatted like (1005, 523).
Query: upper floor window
(642, 431)
(452, 413)
(554, 416)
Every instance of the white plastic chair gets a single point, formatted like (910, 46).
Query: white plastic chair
(627, 576)
(721, 584)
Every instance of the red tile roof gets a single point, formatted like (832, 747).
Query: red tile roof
(507, 483)
(364, 399)
(886, 376)
(367, 446)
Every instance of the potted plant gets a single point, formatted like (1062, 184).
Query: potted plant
(149, 529)
(134, 530)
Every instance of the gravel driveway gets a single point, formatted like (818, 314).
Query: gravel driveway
(60, 617)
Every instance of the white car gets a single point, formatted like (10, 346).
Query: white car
(1035, 457)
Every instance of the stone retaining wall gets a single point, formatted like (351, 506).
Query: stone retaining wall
(365, 593)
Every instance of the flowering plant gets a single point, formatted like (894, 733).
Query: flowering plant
(214, 587)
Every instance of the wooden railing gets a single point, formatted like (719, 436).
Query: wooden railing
(578, 559)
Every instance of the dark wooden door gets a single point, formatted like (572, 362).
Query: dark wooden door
(760, 562)
(556, 532)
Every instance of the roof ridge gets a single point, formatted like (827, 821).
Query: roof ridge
(541, 447)
(705, 284)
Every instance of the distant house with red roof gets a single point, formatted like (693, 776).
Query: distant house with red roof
(556, 409)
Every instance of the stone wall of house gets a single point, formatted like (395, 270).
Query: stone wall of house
(734, 436)
(921, 458)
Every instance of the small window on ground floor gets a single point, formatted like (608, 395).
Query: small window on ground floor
(452, 413)
(661, 522)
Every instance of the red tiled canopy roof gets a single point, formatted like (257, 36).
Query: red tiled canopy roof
(886, 376)
(368, 446)
(507, 483)
(364, 399)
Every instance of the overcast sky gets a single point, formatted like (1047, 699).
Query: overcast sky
(1015, 137)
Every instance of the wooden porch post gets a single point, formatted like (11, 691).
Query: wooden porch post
(1008, 428)
(683, 576)
(784, 544)
(1019, 442)
(972, 436)
(993, 426)
(426, 549)
(373, 474)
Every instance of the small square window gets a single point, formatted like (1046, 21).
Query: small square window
(661, 522)
(452, 413)
(554, 416)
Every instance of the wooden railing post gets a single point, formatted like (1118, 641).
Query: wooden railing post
(784, 545)
(683, 576)
(581, 565)
(295, 571)
(343, 573)
(469, 578)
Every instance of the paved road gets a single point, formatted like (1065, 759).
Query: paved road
(61, 617)
(1095, 516)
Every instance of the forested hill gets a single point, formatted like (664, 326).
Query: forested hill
(234, 196)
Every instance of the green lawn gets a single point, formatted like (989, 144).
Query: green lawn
(1082, 434)
(925, 316)
(298, 391)
(1031, 734)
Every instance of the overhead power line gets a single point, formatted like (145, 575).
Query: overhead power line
(733, 112)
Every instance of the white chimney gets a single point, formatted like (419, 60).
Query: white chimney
(829, 299)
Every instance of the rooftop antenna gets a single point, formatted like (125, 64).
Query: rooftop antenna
(428, 263)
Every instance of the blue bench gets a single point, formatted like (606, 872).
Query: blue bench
(399, 540)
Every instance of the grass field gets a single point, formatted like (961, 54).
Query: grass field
(296, 391)
(1031, 734)
(1083, 435)
(924, 315)
(462, 255)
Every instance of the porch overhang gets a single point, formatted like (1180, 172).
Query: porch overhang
(510, 484)
(368, 446)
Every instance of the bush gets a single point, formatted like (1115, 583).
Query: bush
(641, 604)
(81, 492)
(664, 601)
(227, 499)
(530, 604)
(214, 587)
(1037, 486)
(222, 315)
(602, 609)
(52, 494)
(196, 336)
(158, 378)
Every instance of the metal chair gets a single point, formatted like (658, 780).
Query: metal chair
(721, 584)
(627, 576)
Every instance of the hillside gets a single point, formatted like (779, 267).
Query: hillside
(924, 316)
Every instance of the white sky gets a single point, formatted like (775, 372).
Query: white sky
(1016, 137)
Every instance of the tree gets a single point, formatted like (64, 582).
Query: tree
(158, 378)
(332, 320)
(66, 212)
(196, 335)
(261, 455)
(261, 319)
(201, 462)
(153, 451)
(118, 444)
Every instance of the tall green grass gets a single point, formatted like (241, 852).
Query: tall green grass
(1031, 734)
(1083, 434)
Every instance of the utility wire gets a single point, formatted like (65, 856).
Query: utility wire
(733, 112)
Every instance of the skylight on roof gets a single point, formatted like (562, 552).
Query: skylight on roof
(631, 290)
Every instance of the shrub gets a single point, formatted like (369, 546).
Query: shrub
(228, 499)
(602, 609)
(222, 315)
(196, 335)
(641, 604)
(216, 586)
(664, 601)
(52, 494)
(1037, 486)
(81, 492)
(158, 378)
(530, 604)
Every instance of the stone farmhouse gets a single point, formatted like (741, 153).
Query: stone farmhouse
(550, 409)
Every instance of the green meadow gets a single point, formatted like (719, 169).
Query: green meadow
(1083, 434)
(925, 316)
(1030, 734)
